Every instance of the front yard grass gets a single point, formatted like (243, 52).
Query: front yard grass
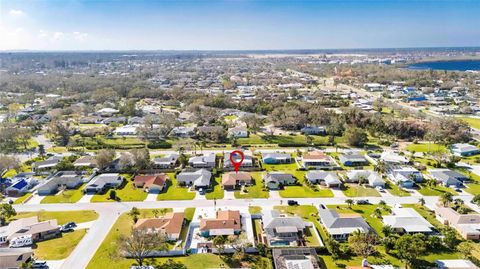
(126, 192)
(359, 191)
(473, 188)
(426, 147)
(395, 190)
(435, 191)
(58, 248)
(304, 192)
(22, 198)
(473, 122)
(175, 192)
(254, 191)
(62, 217)
(67, 196)
(366, 211)
(216, 192)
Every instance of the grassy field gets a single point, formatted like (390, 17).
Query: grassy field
(473, 122)
(254, 191)
(62, 217)
(280, 139)
(254, 209)
(366, 211)
(435, 191)
(67, 196)
(126, 192)
(58, 248)
(395, 190)
(359, 191)
(473, 188)
(174, 192)
(217, 191)
(304, 192)
(426, 148)
(22, 198)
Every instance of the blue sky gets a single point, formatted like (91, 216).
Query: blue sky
(240, 24)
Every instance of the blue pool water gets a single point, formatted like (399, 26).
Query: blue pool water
(461, 65)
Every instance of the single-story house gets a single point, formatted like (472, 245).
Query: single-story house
(169, 161)
(274, 180)
(69, 179)
(107, 112)
(103, 182)
(392, 157)
(405, 176)
(30, 226)
(340, 226)
(234, 180)
(353, 159)
(448, 177)
(276, 158)
(199, 178)
(228, 222)
(317, 159)
(18, 187)
(205, 161)
(373, 178)
(455, 264)
(86, 161)
(127, 130)
(169, 225)
(14, 257)
(280, 230)
(467, 225)
(48, 164)
(326, 178)
(313, 130)
(239, 132)
(183, 131)
(151, 183)
(407, 220)
(464, 150)
(301, 258)
(246, 163)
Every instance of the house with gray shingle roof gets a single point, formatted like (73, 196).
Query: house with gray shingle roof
(327, 178)
(274, 180)
(199, 178)
(280, 230)
(69, 179)
(276, 158)
(447, 177)
(103, 182)
(340, 226)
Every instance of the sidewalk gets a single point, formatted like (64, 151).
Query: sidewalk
(35, 199)
(85, 198)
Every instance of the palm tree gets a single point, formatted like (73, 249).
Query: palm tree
(421, 201)
(381, 167)
(377, 213)
(387, 230)
(446, 198)
(382, 203)
(349, 203)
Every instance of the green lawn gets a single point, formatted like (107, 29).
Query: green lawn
(67, 196)
(280, 139)
(58, 248)
(435, 191)
(395, 190)
(22, 198)
(174, 192)
(126, 192)
(62, 217)
(473, 188)
(473, 122)
(10, 173)
(254, 209)
(426, 148)
(217, 191)
(304, 192)
(366, 211)
(426, 213)
(359, 191)
(255, 191)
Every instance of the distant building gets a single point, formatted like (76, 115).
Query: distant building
(239, 132)
(169, 225)
(463, 150)
(391, 157)
(276, 158)
(295, 258)
(274, 180)
(127, 130)
(205, 161)
(353, 159)
(313, 130)
(169, 161)
(103, 182)
(407, 220)
(48, 164)
(86, 161)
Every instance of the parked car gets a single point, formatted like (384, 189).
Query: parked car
(380, 189)
(68, 227)
(39, 264)
(21, 241)
(292, 202)
(363, 202)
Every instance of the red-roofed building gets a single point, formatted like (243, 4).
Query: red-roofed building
(151, 183)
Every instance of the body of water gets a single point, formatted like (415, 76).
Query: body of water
(461, 65)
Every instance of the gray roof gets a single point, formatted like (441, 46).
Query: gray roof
(272, 220)
(444, 175)
(199, 177)
(352, 157)
(278, 176)
(103, 179)
(62, 178)
(333, 221)
(167, 159)
(276, 156)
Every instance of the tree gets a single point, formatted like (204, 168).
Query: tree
(171, 264)
(377, 213)
(409, 247)
(219, 244)
(239, 243)
(112, 195)
(465, 248)
(134, 213)
(421, 201)
(356, 137)
(446, 198)
(387, 230)
(333, 247)
(60, 132)
(6, 212)
(476, 199)
(7, 163)
(140, 243)
(104, 158)
(450, 238)
(253, 122)
(363, 244)
(349, 203)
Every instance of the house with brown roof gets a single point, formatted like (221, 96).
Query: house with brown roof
(170, 225)
(14, 257)
(228, 222)
(232, 180)
(318, 159)
(468, 225)
(29, 227)
(151, 183)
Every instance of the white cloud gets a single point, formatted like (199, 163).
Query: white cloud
(42, 34)
(80, 36)
(58, 36)
(16, 12)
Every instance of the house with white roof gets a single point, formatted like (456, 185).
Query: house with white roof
(373, 178)
(204, 161)
(392, 157)
(405, 176)
(407, 220)
(238, 132)
(326, 178)
(447, 177)
(464, 150)
(127, 130)
(340, 226)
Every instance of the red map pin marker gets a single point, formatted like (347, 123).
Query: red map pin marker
(236, 159)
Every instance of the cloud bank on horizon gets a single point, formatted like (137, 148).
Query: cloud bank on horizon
(231, 25)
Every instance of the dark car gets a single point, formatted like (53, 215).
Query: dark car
(39, 264)
(68, 227)
(292, 202)
(363, 202)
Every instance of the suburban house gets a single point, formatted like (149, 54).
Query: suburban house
(29, 226)
(407, 220)
(14, 257)
(325, 178)
(313, 130)
(274, 180)
(18, 187)
(227, 222)
(280, 230)
(295, 258)
(233, 180)
(127, 130)
(317, 159)
(448, 177)
(67, 179)
(169, 225)
(373, 178)
(464, 150)
(103, 182)
(85, 161)
(183, 131)
(405, 176)
(107, 112)
(392, 157)
(455, 264)
(467, 225)
(340, 226)
(353, 159)
(199, 178)
(246, 163)
(276, 158)
(204, 161)
(151, 183)
(169, 161)
(238, 132)
(48, 164)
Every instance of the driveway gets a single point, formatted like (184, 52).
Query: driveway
(151, 197)
(35, 200)
(338, 193)
(229, 195)
(85, 198)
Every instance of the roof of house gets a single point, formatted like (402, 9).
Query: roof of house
(62, 178)
(103, 179)
(272, 220)
(150, 180)
(171, 223)
(276, 156)
(278, 176)
(392, 157)
(50, 162)
(226, 219)
(408, 219)
(29, 226)
(210, 158)
(316, 155)
(446, 174)
(342, 224)
(85, 161)
(464, 147)
(167, 159)
(352, 157)
(200, 177)
(230, 179)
